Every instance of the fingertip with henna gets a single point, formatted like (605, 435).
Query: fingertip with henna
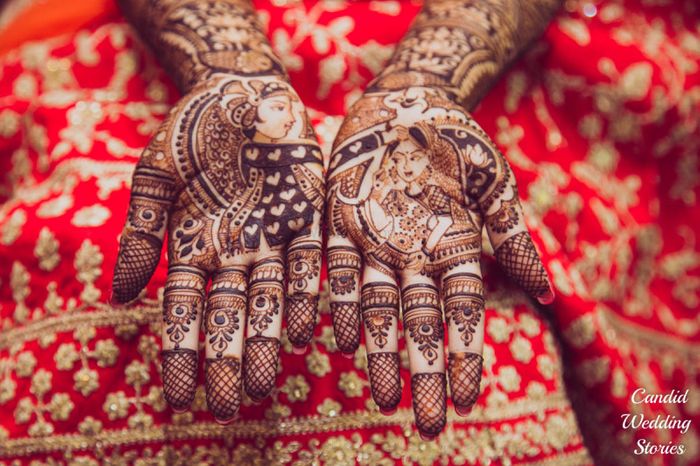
(348, 355)
(464, 411)
(299, 350)
(427, 438)
(388, 412)
(547, 297)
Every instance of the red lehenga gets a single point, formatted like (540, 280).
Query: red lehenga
(600, 123)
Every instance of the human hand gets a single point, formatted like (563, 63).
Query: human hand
(412, 181)
(235, 177)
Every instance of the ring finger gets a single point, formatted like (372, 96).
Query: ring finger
(424, 333)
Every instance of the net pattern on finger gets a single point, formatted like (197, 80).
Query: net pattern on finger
(179, 377)
(139, 256)
(223, 386)
(346, 326)
(301, 318)
(465, 377)
(260, 366)
(429, 406)
(521, 262)
(385, 380)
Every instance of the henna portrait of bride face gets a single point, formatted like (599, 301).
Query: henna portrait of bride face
(412, 182)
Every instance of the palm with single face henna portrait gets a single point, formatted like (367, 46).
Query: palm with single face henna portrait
(234, 176)
(412, 182)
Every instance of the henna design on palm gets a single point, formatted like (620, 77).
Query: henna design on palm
(235, 177)
(412, 182)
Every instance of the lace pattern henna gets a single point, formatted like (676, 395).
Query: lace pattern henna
(429, 406)
(521, 262)
(464, 303)
(465, 377)
(386, 380)
(223, 386)
(301, 318)
(346, 325)
(179, 377)
(380, 307)
(260, 366)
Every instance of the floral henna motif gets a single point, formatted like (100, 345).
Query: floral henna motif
(465, 376)
(227, 301)
(183, 298)
(266, 295)
(343, 269)
(505, 218)
(380, 307)
(422, 320)
(464, 303)
(386, 380)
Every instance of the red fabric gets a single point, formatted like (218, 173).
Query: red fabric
(600, 123)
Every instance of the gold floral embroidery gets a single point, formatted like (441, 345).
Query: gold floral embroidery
(46, 250)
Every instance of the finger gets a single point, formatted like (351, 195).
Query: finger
(496, 190)
(152, 193)
(303, 282)
(264, 329)
(424, 333)
(380, 315)
(223, 326)
(182, 306)
(462, 294)
(344, 263)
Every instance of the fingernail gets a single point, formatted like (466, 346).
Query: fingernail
(547, 297)
(464, 410)
(297, 350)
(427, 438)
(225, 422)
(348, 355)
(179, 411)
(387, 412)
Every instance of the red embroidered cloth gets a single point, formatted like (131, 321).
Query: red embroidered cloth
(600, 123)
